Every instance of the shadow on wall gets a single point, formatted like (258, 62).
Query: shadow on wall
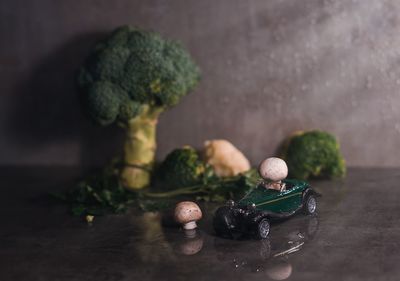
(47, 109)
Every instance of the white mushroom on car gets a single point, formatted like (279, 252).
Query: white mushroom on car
(273, 170)
(187, 213)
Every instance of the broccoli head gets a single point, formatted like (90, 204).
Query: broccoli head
(181, 168)
(314, 154)
(130, 78)
(133, 68)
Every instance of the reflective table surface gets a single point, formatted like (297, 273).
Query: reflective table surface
(356, 236)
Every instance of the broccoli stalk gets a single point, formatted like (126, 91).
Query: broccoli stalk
(139, 148)
(130, 78)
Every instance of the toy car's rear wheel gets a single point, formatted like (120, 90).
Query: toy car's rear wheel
(263, 229)
(310, 206)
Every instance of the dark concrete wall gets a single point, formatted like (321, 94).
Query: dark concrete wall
(269, 68)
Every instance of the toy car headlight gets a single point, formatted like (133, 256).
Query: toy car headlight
(230, 203)
(251, 206)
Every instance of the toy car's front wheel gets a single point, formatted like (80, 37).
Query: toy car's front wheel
(263, 228)
(224, 221)
(310, 205)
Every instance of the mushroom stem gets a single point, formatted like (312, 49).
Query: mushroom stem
(190, 225)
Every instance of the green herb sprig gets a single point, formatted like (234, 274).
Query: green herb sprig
(102, 193)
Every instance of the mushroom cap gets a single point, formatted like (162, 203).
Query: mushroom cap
(273, 168)
(187, 211)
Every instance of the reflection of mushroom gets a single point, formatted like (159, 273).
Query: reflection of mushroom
(273, 170)
(190, 233)
(280, 271)
(187, 213)
(191, 244)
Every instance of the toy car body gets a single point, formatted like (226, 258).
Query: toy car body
(253, 213)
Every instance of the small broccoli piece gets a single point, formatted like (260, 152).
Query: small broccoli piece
(129, 78)
(314, 154)
(182, 168)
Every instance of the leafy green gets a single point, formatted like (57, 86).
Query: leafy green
(214, 188)
(154, 205)
(183, 173)
(99, 194)
(102, 193)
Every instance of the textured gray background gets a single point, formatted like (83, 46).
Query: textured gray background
(269, 68)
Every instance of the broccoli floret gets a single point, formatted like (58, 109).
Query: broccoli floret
(130, 78)
(181, 168)
(314, 154)
(138, 66)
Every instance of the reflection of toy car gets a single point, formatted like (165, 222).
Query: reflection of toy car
(257, 209)
(267, 254)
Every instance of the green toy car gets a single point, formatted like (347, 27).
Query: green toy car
(253, 213)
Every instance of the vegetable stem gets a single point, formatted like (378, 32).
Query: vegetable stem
(139, 148)
(190, 189)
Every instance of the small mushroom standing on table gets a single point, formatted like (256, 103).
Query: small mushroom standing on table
(273, 170)
(187, 213)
